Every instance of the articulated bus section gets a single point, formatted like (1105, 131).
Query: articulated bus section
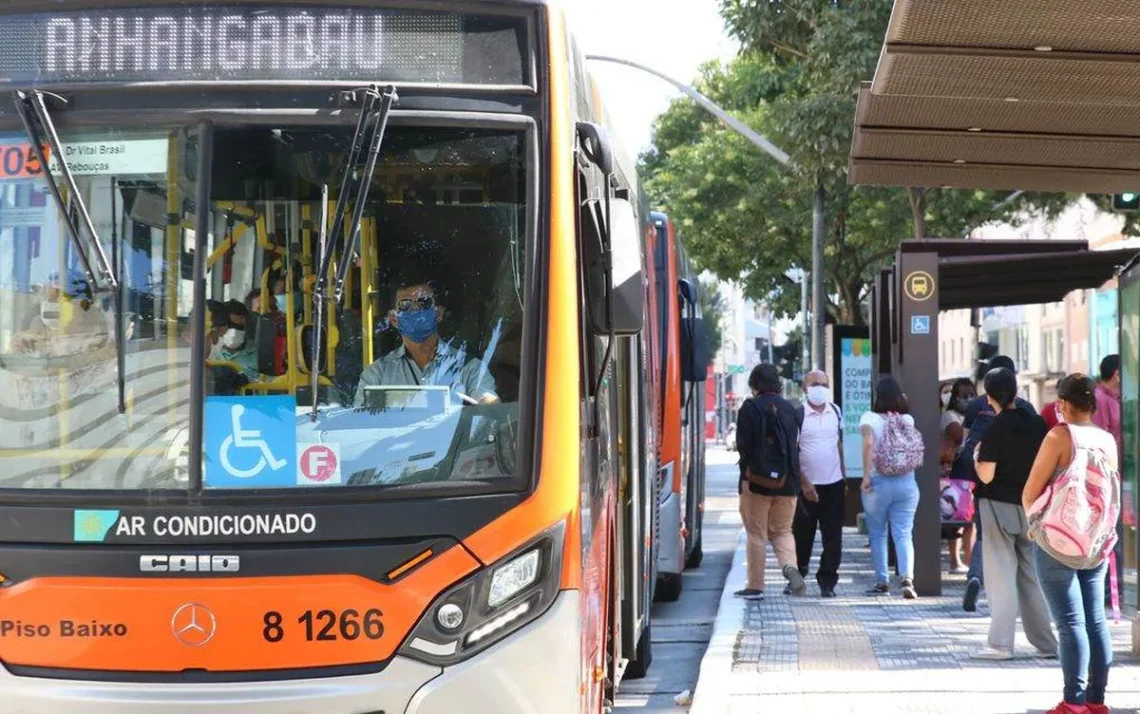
(682, 360)
(341, 392)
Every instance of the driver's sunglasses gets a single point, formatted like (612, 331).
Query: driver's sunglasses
(426, 302)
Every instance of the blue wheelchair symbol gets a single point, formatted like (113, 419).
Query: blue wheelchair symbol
(920, 325)
(251, 442)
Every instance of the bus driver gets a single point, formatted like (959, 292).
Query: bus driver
(424, 358)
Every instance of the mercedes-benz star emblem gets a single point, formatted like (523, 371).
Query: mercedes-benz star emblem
(193, 624)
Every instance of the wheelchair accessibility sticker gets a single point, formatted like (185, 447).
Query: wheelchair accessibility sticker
(251, 442)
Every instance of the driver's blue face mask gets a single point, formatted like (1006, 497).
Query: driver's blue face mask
(418, 325)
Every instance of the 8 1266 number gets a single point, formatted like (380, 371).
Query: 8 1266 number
(327, 625)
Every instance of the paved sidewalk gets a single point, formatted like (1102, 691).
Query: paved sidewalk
(859, 653)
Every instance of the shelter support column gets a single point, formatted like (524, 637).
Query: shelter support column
(917, 372)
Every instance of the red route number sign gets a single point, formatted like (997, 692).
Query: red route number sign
(318, 464)
(19, 161)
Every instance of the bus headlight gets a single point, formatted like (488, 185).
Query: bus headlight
(514, 577)
(491, 604)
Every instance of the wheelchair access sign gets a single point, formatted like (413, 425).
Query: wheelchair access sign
(251, 442)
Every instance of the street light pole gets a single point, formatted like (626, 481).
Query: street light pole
(709, 105)
(819, 309)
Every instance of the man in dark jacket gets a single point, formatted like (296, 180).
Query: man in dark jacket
(766, 439)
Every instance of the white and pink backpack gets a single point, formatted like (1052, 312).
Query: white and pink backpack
(1074, 519)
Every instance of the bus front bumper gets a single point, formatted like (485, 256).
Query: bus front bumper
(534, 670)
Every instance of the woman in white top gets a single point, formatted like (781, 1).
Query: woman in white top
(888, 501)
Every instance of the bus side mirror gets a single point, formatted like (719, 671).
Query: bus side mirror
(626, 289)
(694, 340)
(595, 143)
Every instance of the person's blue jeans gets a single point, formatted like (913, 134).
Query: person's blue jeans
(976, 553)
(891, 503)
(1076, 602)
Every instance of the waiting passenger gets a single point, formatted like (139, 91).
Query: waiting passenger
(978, 416)
(1004, 459)
(955, 398)
(1074, 586)
(889, 500)
(766, 437)
(424, 358)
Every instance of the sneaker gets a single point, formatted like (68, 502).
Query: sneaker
(827, 592)
(959, 570)
(1066, 708)
(750, 594)
(795, 580)
(908, 591)
(970, 599)
(880, 589)
(996, 654)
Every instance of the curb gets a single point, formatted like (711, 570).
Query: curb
(711, 695)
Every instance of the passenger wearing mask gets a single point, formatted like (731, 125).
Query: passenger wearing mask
(823, 489)
(889, 501)
(1074, 585)
(423, 357)
(766, 436)
(232, 345)
(978, 416)
(1004, 458)
(955, 398)
(1051, 413)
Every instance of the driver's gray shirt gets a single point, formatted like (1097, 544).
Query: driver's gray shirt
(449, 368)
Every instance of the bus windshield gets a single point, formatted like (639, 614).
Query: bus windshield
(418, 368)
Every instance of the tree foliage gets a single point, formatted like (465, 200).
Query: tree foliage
(713, 308)
(748, 218)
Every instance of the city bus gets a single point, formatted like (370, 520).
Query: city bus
(322, 362)
(683, 364)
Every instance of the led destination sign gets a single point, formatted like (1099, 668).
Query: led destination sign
(254, 43)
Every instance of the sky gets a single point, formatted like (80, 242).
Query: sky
(673, 36)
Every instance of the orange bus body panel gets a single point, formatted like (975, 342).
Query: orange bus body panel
(671, 418)
(230, 611)
(557, 495)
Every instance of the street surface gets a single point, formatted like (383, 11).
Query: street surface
(681, 629)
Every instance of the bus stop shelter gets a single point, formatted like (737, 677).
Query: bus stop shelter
(1035, 95)
(931, 276)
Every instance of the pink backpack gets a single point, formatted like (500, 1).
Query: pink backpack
(1074, 520)
(901, 449)
(957, 500)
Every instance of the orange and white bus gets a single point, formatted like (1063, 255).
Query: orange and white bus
(683, 364)
(323, 374)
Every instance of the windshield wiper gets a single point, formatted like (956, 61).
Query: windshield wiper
(352, 235)
(38, 126)
(370, 129)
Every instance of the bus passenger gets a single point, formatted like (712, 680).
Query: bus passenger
(232, 345)
(423, 357)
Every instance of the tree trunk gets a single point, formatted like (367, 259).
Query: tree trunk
(917, 198)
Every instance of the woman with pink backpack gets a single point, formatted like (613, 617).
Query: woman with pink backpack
(892, 450)
(1073, 500)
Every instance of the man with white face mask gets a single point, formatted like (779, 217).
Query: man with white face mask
(232, 345)
(823, 495)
